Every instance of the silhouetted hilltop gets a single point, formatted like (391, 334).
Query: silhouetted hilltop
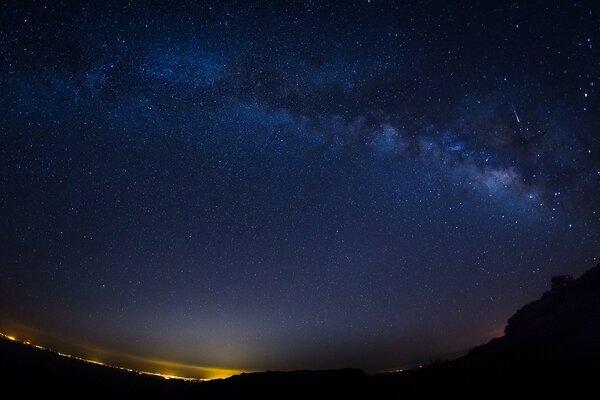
(566, 318)
(550, 349)
(564, 323)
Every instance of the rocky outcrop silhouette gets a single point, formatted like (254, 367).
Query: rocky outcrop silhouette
(551, 349)
(565, 320)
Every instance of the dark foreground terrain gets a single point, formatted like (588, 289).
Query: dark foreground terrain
(551, 349)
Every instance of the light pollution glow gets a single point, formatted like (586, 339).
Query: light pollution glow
(164, 369)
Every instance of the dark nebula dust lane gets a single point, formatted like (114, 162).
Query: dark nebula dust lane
(290, 185)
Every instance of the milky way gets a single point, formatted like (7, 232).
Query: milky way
(292, 185)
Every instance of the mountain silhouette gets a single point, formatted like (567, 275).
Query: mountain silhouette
(563, 326)
(550, 349)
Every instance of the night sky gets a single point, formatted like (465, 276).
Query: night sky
(292, 185)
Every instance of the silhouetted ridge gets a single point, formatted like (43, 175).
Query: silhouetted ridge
(566, 317)
(551, 349)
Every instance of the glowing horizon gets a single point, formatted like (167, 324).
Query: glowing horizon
(164, 369)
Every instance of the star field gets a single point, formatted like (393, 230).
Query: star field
(292, 184)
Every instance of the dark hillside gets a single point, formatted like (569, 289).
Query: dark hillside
(551, 349)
